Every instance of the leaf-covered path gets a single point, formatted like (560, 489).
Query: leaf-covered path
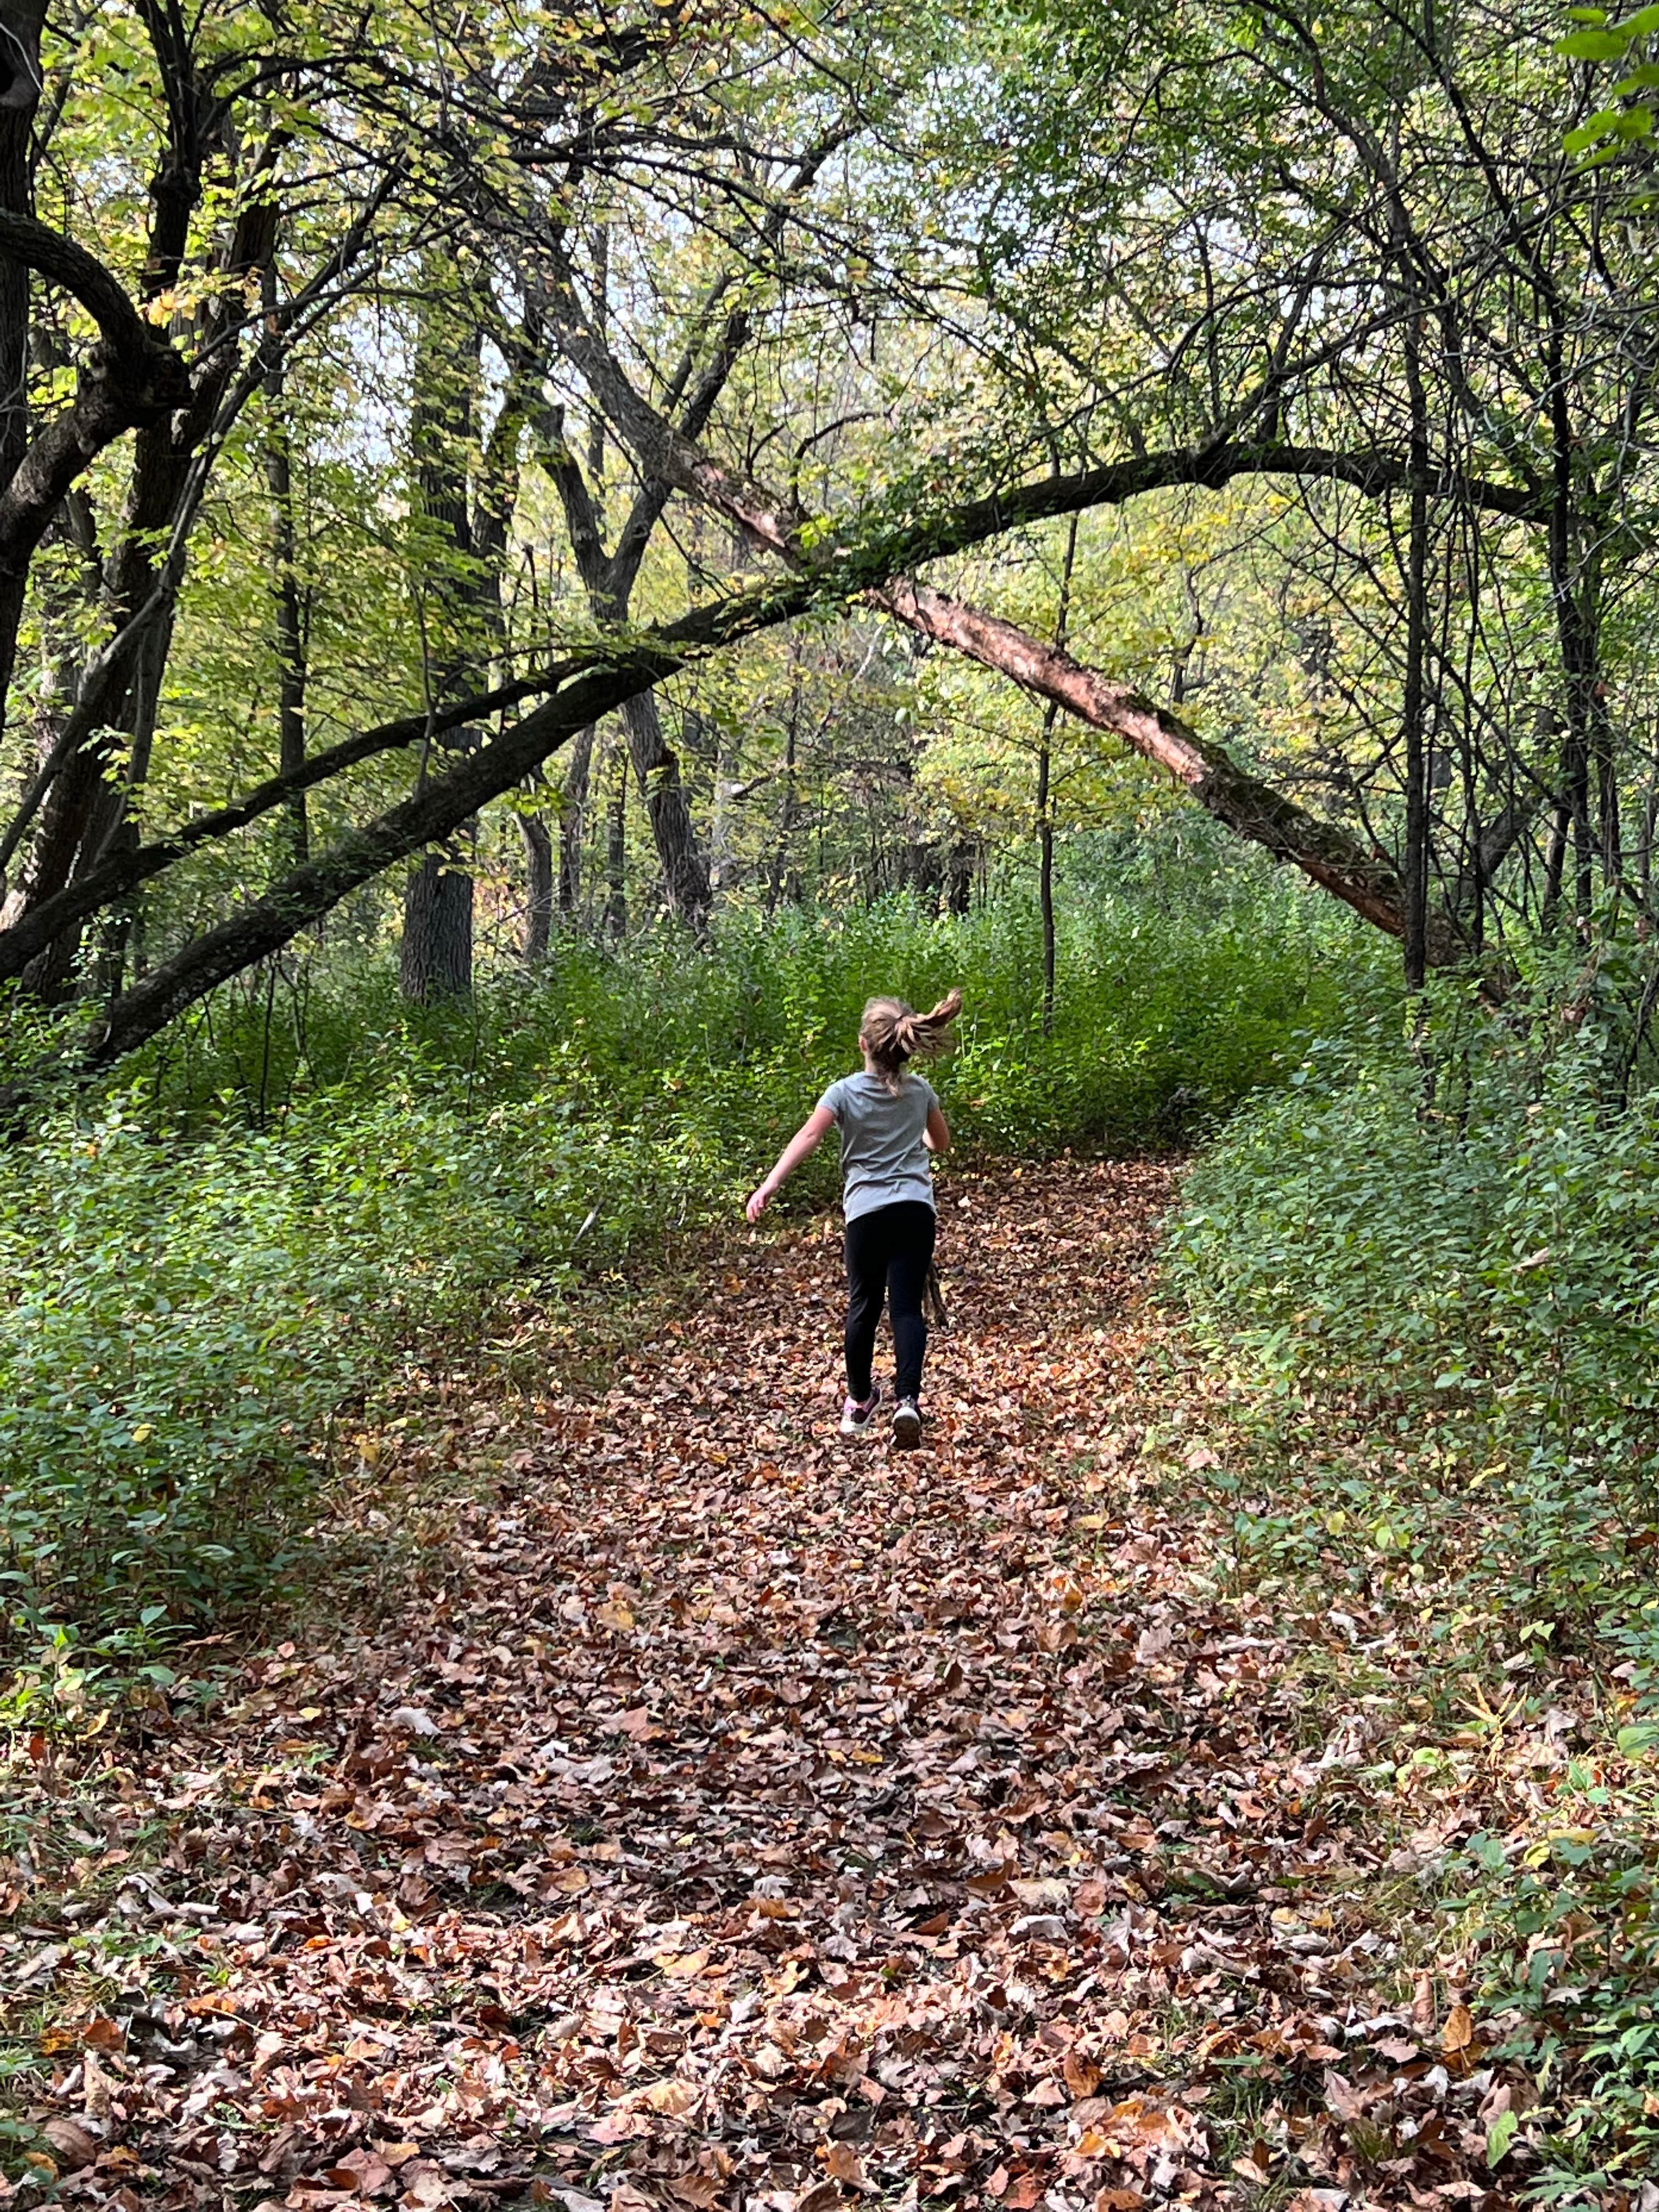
(745, 1818)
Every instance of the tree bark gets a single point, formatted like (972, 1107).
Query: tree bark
(684, 873)
(609, 580)
(436, 960)
(1575, 626)
(778, 874)
(616, 853)
(539, 888)
(20, 93)
(722, 866)
(438, 896)
(960, 867)
(1413, 709)
(1045, 770)
(573, 821)
(287, 615)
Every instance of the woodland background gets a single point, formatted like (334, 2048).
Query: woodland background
(544, 554)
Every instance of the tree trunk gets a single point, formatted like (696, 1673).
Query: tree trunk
(1045, 772)
(539, 889)
(1576, 627)
(959, 866)
(686, 877)
(573, 822)
(1367, 882)
(1603, 749)
(616, 857)
(787, 804)
(20, 93)
(436, 961)
(1413, 705)
(434, 958)
(288, 623)
(436, 936)
(722, 864)
(117, 696)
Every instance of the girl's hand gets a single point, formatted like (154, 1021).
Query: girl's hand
(805, 1140)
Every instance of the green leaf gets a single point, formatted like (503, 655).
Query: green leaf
(1637, 1740)
(1592, 131)
(1638, 25)
(1593, 46)
(1499, 2136)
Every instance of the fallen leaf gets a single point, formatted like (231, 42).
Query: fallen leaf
(844, 2164)
(1082, 2075)
(415, 1720)
(75, 2146)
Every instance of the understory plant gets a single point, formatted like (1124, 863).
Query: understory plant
(1428, 1267)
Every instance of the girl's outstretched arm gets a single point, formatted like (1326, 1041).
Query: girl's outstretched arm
(936, 1134)
(807, 1139)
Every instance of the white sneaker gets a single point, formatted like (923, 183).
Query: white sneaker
(907, 1425)
(855, 1418)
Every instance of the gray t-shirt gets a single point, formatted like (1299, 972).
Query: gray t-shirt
(882, 1155)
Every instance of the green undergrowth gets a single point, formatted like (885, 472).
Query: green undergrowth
(1424, 1275)
(207, 1270)
(1562, 1925)
(1447, 1249)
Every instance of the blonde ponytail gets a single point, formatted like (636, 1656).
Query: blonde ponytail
(893, 1033)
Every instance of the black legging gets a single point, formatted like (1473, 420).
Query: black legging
(889, 1250)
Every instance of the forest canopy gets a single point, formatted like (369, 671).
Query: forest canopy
(455, 467)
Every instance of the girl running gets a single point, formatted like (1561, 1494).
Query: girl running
(889, 1121)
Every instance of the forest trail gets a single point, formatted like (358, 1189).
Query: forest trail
(748, 1818)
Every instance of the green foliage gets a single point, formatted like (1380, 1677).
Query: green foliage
(201, 1270)
(1611, 129)
(1185, 970)
(1429, 1259)
(1454, 1236)
(1568, 1946)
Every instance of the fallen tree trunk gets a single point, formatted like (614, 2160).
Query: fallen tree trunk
(1368, 882)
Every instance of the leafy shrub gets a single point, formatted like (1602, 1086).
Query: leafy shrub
(1562, 1926)
(1431, 1260)
(1455, 1239)
(180, 1319)
(1177, 995)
